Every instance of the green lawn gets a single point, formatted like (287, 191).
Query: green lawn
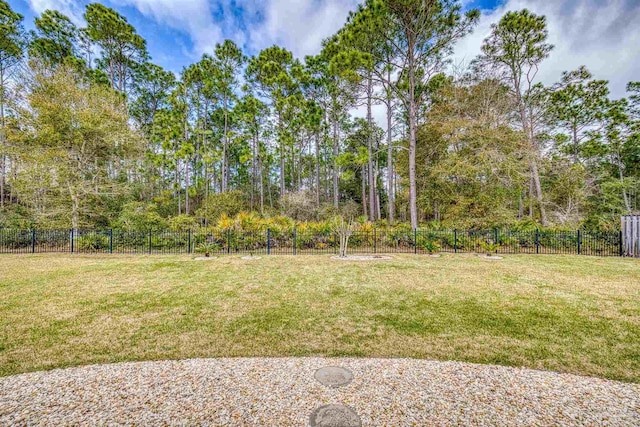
(564, 313)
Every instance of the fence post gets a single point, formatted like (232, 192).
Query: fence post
(537, 241)
(579, 242)
(149, 241)
(33, 240)
(111, 240)
(455, 241)
(295, 235)
(375, 241)
(71, 233)
(189, 241)
(495, 235)
(268, 241)
(620, 243)
(415, 240)
(228, 241)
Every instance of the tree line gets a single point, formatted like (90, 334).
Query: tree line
(93, 133)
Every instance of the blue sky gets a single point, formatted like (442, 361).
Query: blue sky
(170, 47)
(601, 34)
(172, 42)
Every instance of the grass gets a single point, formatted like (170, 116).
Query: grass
(562, 313)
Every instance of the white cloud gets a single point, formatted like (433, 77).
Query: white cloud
(603, 36)
(193, 17)
(71, 8)
(298, 25)
(599, 34)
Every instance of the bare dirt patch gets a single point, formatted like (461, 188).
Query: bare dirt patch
(491, 257)
(363, 258)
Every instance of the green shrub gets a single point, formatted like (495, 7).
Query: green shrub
(182, 223)
(207, 248)
(214, 206)
(489, 247)
(431, 246)
(92, 242)
(138, 216)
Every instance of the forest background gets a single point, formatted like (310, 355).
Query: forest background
(95, 135)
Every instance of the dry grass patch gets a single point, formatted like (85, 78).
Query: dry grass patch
(565, 313)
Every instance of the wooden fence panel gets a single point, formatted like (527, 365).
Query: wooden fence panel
(631, 235)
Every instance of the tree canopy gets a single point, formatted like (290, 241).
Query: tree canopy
(93, 133)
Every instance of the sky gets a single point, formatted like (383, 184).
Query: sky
(602, 35)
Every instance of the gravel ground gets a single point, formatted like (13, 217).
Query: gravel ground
(284, 392)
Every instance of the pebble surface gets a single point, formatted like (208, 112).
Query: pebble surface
(284, 392)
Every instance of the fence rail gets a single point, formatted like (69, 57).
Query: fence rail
(298, 241)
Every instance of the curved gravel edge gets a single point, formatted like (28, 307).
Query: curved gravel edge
(284, 392)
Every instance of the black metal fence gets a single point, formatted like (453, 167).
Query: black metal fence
(298, 241)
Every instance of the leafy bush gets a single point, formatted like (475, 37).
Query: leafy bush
(182, 223)
(16, 216)
(489, 247)
(215, 206)
(431, 246)
(300, 206)
(137, 216)
(92, 242)
(207, 248)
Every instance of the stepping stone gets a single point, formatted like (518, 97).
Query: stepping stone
(334, 416)
(333, 376)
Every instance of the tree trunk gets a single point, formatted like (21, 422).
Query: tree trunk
(527, 128)
(536, 182)
(206, 190)
(187, 184)
(378, 210)
(625, 196)
(531, 196)
(363, 182)
(336, 172)
(75, 207)
(178, 189)
(74, 213)
(261, 178)
(254, 171)
(294, 169)
(391, 192)
(3, 156)
(413, 196)
(282, 184)
(376, 172)
(576, 158)
(317, 170)
(413, 193)
(269, 187)
(371, 178)
(413, 118)
(111, 73)
(225, 150)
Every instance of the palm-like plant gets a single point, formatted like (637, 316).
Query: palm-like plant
(490, 247)
(207, 248)
(431, 246)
